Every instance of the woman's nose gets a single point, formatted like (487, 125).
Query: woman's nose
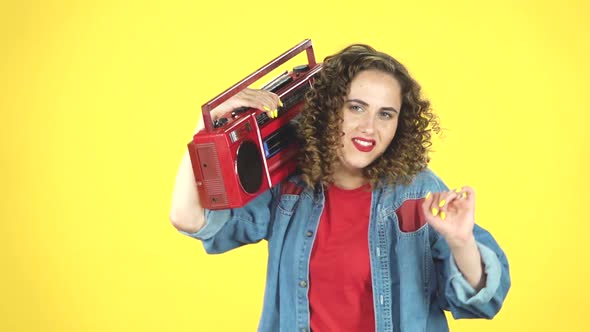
(367, 124)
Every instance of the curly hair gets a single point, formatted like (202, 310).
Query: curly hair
(320, 126)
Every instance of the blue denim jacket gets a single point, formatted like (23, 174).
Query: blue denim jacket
(414, 275)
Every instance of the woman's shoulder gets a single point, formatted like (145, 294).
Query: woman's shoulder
(423, 182)
(427, 177)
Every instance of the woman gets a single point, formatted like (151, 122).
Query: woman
(364, 237)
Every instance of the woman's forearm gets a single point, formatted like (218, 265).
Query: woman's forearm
(186, 213)
(468, 260)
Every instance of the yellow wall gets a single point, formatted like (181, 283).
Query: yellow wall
(98, 100)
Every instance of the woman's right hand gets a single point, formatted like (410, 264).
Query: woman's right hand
(254, 98)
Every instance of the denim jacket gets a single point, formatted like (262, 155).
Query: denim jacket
(414, 275)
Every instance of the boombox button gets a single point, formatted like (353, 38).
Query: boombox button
(235, 113)
(220, 122)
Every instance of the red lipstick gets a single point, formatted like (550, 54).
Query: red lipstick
(363, 144)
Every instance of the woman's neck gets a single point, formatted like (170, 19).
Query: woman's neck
(346, 180)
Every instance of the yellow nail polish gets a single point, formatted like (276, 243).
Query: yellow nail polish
(434, 211)
(280, 103)
(427, 195)
(276, 113)
(464, 195)
(442, 203)
(266, 108)
(458, 190)
(443, 215)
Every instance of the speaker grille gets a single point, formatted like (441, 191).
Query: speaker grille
(212, 177)
(249, 167)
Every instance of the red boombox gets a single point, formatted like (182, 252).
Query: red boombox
(245, 152)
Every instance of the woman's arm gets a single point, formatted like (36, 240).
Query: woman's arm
(452, 214)
(186, 213)
(472, 269)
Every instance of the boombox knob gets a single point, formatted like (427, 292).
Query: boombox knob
(239, 111)
(300, 69)
(220, 122)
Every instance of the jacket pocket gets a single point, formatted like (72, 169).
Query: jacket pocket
(287, 204)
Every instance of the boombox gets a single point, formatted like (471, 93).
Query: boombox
(245, 152)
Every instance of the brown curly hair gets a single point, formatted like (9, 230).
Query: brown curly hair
(320, 126)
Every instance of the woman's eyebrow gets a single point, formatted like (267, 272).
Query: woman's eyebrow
(366, 104)
(357, 101)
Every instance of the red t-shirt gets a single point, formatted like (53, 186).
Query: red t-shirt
(340, 287)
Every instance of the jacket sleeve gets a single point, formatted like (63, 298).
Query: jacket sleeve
(228, 229)
(456, 294)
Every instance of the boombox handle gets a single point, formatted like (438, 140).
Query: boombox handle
(225, 95)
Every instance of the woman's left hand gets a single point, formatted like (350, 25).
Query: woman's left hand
(452, 214)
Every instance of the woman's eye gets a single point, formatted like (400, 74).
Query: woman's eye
(355, 108)
(386, 115)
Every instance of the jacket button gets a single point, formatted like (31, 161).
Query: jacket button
(309, 233)
(303, 284)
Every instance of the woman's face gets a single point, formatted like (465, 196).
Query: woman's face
(370, 115)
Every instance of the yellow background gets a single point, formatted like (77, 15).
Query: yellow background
(98, 100)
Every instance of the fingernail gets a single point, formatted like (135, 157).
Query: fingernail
(280, 103)
(266, 108)
(458, 190)
(442, 203)
(427, 195)
(276, 112)
(443, 215)
(464, 195)
(434, 211)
